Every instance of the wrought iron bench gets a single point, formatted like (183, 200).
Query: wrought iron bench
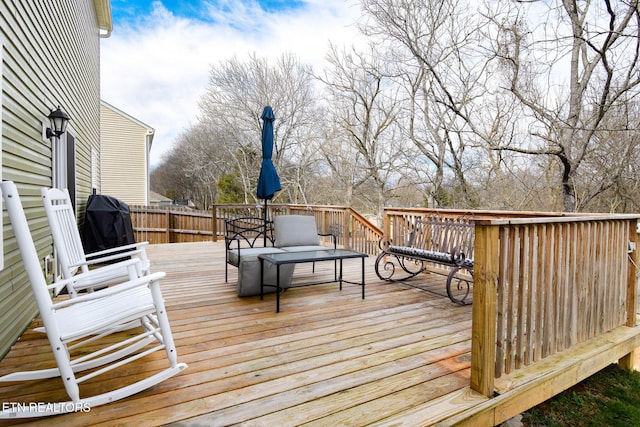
(432, 241)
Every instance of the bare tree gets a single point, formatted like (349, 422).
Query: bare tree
(452, 111)
(192, 168)
(500, 104)
(237, 93)
(572, 65)
(169, 179)
(615, 155)
(364, 106)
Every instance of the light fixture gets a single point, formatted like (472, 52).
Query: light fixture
(59, 120)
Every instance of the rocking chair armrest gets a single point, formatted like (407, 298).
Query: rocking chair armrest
(110, 251)
(110, 272)
(125, 255)
(150, 280)
(87, 276)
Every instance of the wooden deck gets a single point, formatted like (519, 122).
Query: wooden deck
(399, 357)
(329, 358)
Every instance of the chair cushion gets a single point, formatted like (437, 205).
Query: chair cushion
(249, 254)
(295, 230)
(306, 248)
(249, 275)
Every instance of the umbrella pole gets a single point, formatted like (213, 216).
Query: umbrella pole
(265, 222)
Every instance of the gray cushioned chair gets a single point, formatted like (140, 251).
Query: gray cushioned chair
(245, 239)
(298, 233)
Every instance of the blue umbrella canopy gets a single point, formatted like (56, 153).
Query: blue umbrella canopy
(269, 181)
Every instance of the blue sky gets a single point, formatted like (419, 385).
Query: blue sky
(155, 64)
(192, 9)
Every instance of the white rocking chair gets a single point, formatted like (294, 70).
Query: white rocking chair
(70, 252)
(76, 324)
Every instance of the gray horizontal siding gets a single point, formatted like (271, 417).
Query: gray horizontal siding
(123, 158)
(51, 57)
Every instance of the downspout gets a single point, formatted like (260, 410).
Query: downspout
(104, 17)
(148, 142)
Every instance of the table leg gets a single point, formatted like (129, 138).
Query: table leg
(362, 277)
(261, 279)
(340, 274)
(278, 288)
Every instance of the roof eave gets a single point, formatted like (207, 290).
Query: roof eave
(103, 15)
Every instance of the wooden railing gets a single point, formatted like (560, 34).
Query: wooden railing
(546, 285)
(173, 224)
(543, 283)
(397, 221)
(351, 229)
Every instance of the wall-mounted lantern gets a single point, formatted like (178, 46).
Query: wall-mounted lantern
(59, 120)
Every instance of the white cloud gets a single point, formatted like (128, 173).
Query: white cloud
(156, 69)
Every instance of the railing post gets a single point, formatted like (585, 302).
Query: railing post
(626, 362)
(483, 327)
(386, 224)
(168, 215)
(214, 225)
(325, 220)
(632, 274)
(345, 229)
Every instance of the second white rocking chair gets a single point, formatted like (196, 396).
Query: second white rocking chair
(70, 252)
(75, 326)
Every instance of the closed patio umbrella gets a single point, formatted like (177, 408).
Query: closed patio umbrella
(268, 182)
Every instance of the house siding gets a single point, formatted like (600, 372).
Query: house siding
(124, 156)
(51, 57)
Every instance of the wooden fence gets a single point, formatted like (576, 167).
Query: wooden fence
(547, 285)
(171, 224)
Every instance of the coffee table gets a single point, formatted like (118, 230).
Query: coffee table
(281, 258)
